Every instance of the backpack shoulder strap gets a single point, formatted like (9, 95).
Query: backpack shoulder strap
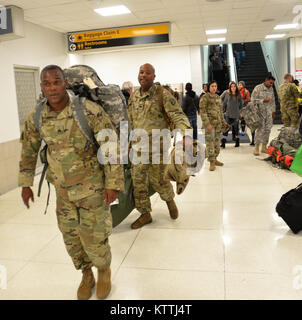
(160, 95)
(38, 114)
(78, 108)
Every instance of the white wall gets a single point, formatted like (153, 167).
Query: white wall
(39, 48)
(196, 68)
(298, 47)
(172, 64)
(277, 61)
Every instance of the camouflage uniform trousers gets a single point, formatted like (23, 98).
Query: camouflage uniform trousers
(264, 130)
(213, 143)
(142, 174)
(85, 225)
(290, 116)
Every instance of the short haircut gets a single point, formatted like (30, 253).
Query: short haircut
(270, 77)
(188, 86)
(52, 67)
(127, 85)
(288, 75)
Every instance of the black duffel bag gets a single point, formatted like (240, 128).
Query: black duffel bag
(289, 208)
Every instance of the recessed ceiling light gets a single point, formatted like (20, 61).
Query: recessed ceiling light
(216, 40)
(112, 11)
(219, 31)
(273, 36)
(286, 26)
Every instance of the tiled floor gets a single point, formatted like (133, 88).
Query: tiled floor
(228, 242)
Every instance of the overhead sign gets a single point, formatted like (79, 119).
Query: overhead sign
(87, 40)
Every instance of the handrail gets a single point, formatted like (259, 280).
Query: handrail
(270, 65)
(232, 64)
(235, 70)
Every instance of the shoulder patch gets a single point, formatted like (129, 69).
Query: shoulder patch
(172, 101)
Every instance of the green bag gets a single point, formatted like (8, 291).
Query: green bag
(297, 163)
(126, 203)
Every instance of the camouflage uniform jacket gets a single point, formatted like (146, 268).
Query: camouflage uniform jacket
(288, 95)
(261, 92)
(211, 110)
(145, 111)
(70, 166)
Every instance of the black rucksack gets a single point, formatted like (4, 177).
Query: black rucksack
(289, 208)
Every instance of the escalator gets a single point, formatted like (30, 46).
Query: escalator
(254, 70)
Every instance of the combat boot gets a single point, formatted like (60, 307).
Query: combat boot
(223, 141)
(103, 285)
(172, 209)
(212, 165)
(256, 150)
(141, 221)
(263, 149)
(237, 144)
(218, 163)
(86, 285)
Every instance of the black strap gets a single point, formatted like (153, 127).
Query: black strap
(47, 197)
(42, 178)
(40, 185)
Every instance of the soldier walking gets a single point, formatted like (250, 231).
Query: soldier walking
(263, 96)
(84, 189)
(153, 107)
(288, 95)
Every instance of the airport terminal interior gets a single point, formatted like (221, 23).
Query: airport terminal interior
(228, 243)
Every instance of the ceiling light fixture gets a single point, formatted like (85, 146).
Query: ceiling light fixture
(286, 26)
(219, 31)
(216, 40)
(112, 11)
(274, 36)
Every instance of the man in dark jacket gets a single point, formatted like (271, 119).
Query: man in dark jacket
(190, 106)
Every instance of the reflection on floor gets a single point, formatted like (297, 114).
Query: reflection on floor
(228, 242)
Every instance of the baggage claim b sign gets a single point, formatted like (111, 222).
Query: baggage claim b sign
(116, 37)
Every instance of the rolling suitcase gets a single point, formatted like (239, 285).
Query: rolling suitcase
(289, 208)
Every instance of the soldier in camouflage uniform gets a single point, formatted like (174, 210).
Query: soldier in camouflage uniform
(84, 189)
(263, 96)
(288, 95)
(214, 123)
(151, 107)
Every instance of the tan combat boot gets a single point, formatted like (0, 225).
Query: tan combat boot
(141, 221)
(256, 150)
(86, 285)
(103, 285)
(263, 149)
(218, 163)
(172, 209)
(212, 165)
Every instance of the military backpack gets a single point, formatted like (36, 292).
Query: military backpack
(84, 83)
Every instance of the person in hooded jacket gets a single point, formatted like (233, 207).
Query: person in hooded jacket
(190, 106)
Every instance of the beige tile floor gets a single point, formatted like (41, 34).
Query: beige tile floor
(228, 242)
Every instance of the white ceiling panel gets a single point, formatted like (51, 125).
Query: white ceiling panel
(189, 18)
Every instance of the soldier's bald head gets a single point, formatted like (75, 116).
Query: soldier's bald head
(149, 66)
(146, 76)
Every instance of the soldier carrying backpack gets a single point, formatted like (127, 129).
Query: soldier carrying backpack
(84, 189)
